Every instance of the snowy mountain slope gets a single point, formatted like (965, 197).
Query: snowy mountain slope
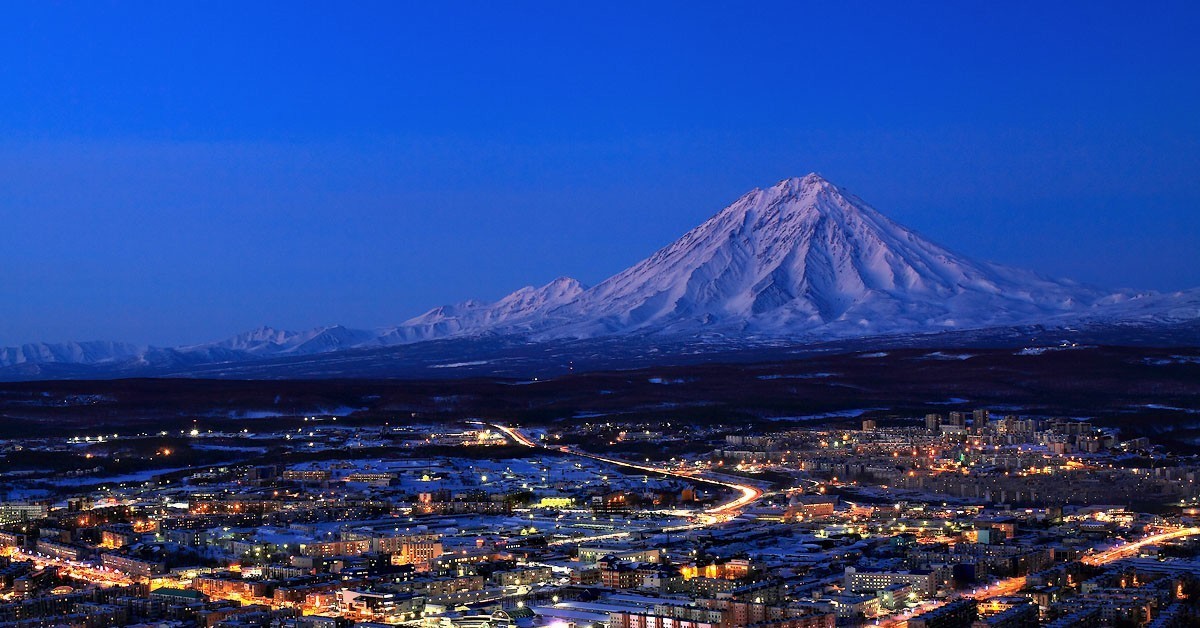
(96, 352)
(801, 261)
(271, 341)
(1144, 308)
(520, 312)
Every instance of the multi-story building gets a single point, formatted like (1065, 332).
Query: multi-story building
(860, 581)
(709, 613)
(417, 549)
(132, 566)
(593, 553)
(308, 476)
(61, 551)
(619, 574)
(387, 606)
(956, 614)
(20, 512)
(229, 585)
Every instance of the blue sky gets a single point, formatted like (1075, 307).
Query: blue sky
(177, 172)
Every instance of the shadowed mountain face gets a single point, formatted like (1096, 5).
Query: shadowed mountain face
(800, 262)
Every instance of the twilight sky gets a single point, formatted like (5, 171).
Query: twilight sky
(176, 172)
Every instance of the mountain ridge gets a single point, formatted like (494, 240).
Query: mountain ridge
(802, 259)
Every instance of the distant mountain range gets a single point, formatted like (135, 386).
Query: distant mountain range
(801, 262)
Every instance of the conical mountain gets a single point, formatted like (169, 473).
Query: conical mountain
(805, 256)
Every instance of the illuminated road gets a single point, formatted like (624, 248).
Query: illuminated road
(1129, 549)
(1012, 585)
(746, 494)
(516, 436)
(590, 539)
(75, 570)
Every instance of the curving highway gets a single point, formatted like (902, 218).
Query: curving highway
(1129, 549)
(746, 494)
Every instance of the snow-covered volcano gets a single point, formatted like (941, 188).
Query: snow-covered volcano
(805, 257)
(802, 260)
